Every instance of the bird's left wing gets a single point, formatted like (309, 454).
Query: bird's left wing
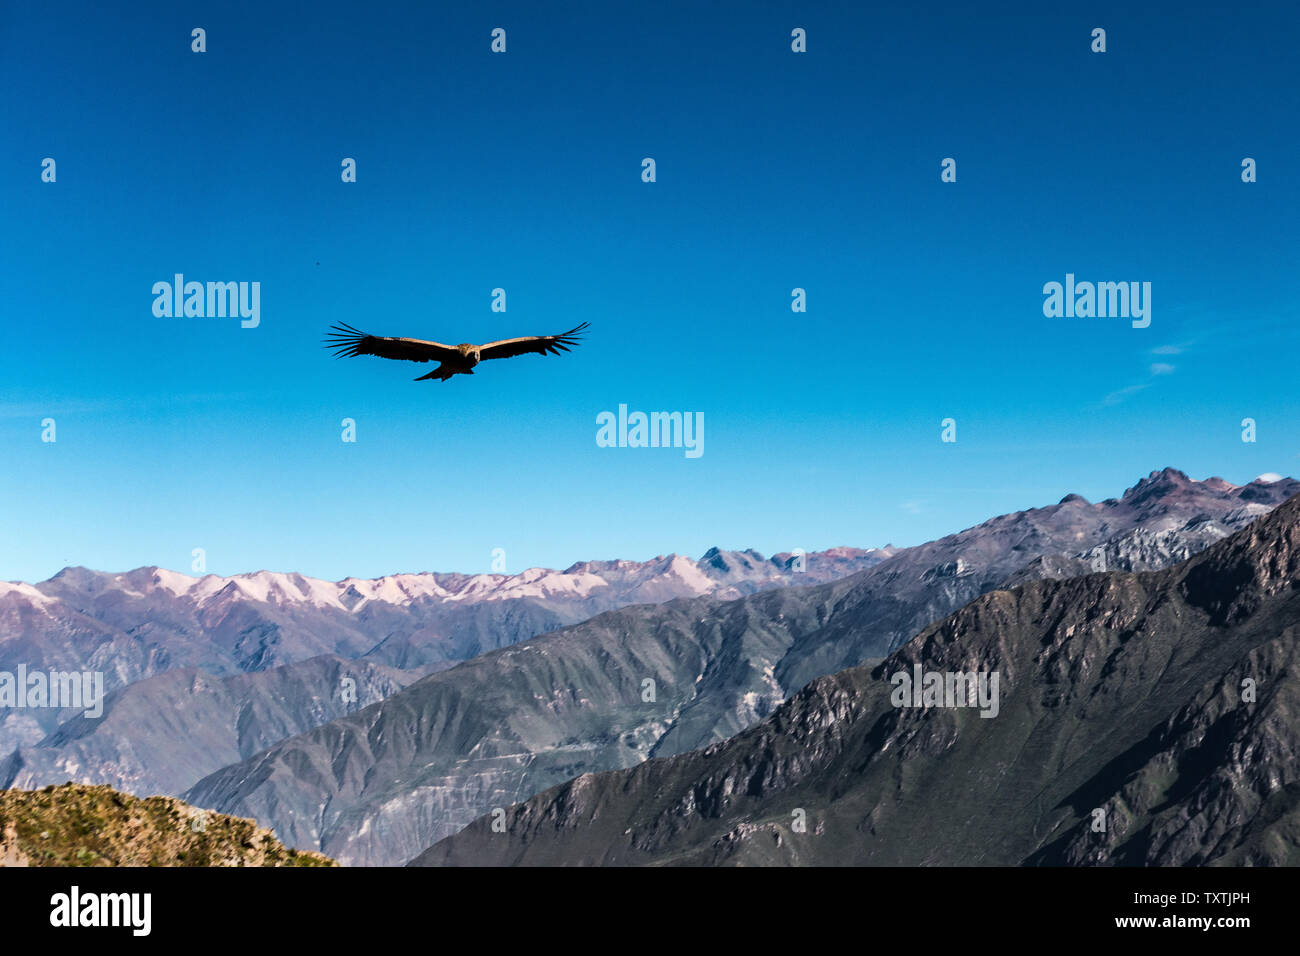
(541, 344)
(346, 340)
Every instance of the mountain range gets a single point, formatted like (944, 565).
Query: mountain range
(1147, 718)
(380, 785)
(151, 621)
(370, 719)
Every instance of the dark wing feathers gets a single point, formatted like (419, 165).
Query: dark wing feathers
(345, 340)
(541, 344)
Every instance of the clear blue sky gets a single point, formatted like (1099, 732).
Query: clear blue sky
(522, 171)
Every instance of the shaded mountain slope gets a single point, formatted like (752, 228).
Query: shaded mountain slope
(162, 734)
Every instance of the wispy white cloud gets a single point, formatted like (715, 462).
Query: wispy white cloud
(1156, 369)
(1117, 396)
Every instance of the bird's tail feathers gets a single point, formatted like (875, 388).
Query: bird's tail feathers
(441, 373)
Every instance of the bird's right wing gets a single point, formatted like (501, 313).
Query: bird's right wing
(346, 340)
(541, 344)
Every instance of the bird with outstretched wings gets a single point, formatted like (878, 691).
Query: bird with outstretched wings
(452, 359)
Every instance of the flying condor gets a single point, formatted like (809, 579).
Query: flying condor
(452, 359)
